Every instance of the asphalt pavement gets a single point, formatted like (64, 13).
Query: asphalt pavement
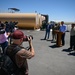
(49, 59)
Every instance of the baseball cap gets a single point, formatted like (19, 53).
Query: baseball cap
(18, 34)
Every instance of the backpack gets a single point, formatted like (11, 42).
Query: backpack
(7, 64)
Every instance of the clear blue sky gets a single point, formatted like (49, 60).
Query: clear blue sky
(56, 9)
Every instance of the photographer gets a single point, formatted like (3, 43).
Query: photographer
(3, 36)
(20, 58)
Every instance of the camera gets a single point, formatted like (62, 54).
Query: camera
(26, 37)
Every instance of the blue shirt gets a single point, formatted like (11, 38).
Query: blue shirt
(62, 28)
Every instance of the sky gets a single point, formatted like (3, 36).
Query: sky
(58, 10)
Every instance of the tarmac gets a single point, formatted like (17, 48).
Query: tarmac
(49, 59)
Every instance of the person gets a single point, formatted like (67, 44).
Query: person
(63, 30)
(72, 37)
(11, 26)
(1, 25)
(54, 36)
(58, 26)
(47, 33)
(20, 58)
(3, 37)
(7, 28)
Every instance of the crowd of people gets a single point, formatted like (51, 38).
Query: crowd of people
(7, 30)
(22, 54)
(60, 27)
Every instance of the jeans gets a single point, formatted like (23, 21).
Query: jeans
(47, 34)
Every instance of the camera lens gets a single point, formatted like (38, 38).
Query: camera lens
(26, 38)
(31, 36)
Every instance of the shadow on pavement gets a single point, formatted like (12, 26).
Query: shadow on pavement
(67, 50)
(70, 51)
(54, 46)
(73, 53)
(42, 39)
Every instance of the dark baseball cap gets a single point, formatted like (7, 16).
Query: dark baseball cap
(18, 34)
